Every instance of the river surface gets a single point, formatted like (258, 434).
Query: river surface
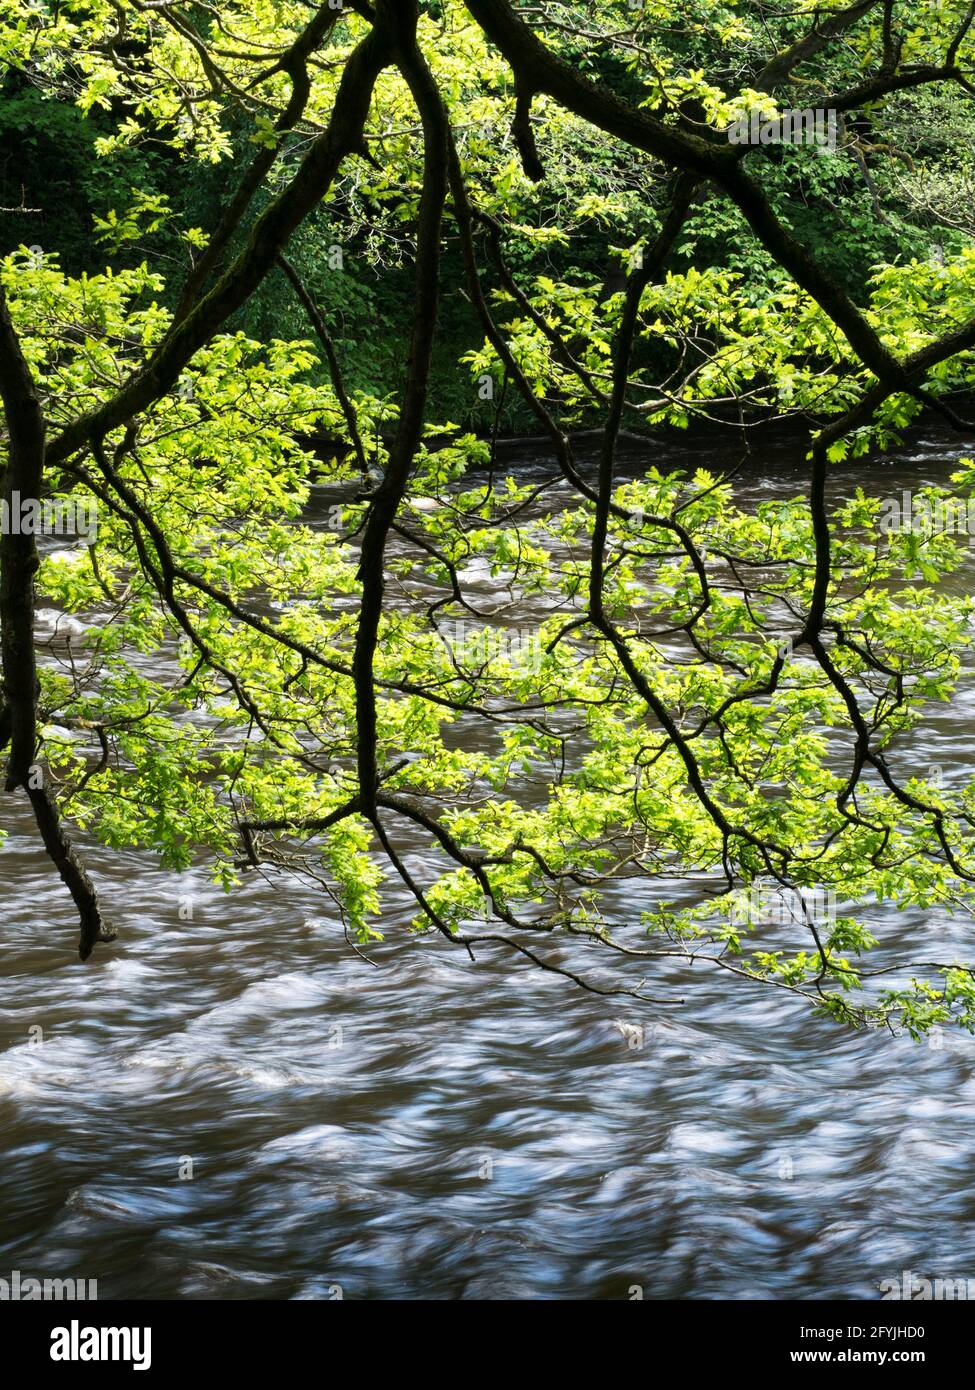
(228, 1103)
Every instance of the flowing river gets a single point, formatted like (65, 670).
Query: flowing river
(229, 1103)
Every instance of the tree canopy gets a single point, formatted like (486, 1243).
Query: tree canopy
(351, 244)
